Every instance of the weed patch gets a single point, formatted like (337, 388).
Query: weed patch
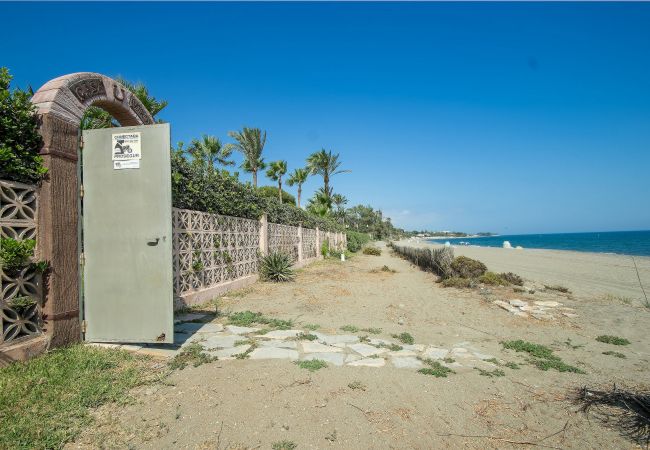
(312, 326)
(557, 287)
(614, 340)
(350, 328)
(404, 338)
(612, 353)
(371, 330)
(357, 385)
(248, 318)
(284, 445)
(542, 357)
(491, 373)
(312, 365)
(435, 368)
(192, 354)
(306, 337)
(374, 251)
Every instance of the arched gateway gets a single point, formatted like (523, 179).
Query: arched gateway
(61, 104)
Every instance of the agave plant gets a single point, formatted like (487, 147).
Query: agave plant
(276, 266)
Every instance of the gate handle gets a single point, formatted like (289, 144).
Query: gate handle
(153, 241)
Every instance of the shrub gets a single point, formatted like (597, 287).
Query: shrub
(221, 192)
(465, 267)
(512, 278)
(19, 138)
(356, 240)
(371, 251)
(493, 279)
(15, 254)
(458, 282)
(325, 247)
(276, 266)
(272, 192)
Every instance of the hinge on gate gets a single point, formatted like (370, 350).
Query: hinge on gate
(81, 190)
(81, 143)
(82, 258)
(83, 326)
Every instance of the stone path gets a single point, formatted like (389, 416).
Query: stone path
(227, 342)
(540, 310)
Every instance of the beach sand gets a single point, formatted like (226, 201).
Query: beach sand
(256, 403)
(587, 274)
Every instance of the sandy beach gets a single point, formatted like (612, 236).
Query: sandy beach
(494, 398)
(586, 274)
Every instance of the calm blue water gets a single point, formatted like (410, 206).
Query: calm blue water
(623, 242)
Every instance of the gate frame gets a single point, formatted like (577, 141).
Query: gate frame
(60, 105)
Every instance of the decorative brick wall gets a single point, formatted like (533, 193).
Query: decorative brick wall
(21, 299)
(214, 254)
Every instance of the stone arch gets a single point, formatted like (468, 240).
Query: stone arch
(60, 105)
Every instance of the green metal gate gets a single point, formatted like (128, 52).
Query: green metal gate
(127, 289)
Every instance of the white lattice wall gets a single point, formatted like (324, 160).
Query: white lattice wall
(20, 303)
(210, 249)
(283, 238)
(213, 251)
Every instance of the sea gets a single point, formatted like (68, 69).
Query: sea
(620, 242)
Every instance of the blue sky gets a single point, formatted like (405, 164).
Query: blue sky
(511, 118)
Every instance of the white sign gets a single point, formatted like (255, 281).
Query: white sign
(126, 146)
(128, 164)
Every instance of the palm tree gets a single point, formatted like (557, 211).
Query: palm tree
(298, 176)
(326, 165)
(340, 201)
(250, 142)
(209, 151)
(275, 172)
(96, 117)
(321, 203)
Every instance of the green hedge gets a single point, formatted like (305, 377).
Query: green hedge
(19, 138)
(221, 192)
(356, 240)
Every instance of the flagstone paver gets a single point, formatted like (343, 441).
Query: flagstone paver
(282, 334)
(368, 362)
(227, 342)
(241, 330)
(407, 363)
(332, 339)
(317, 347)
(338, 359)
(274, 353)
(366, 350)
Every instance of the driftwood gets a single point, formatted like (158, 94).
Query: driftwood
(628, 412)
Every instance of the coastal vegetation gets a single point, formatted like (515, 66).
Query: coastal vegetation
(372, 251)
(276, 266)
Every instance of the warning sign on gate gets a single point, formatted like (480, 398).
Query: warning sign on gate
(126, 146)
